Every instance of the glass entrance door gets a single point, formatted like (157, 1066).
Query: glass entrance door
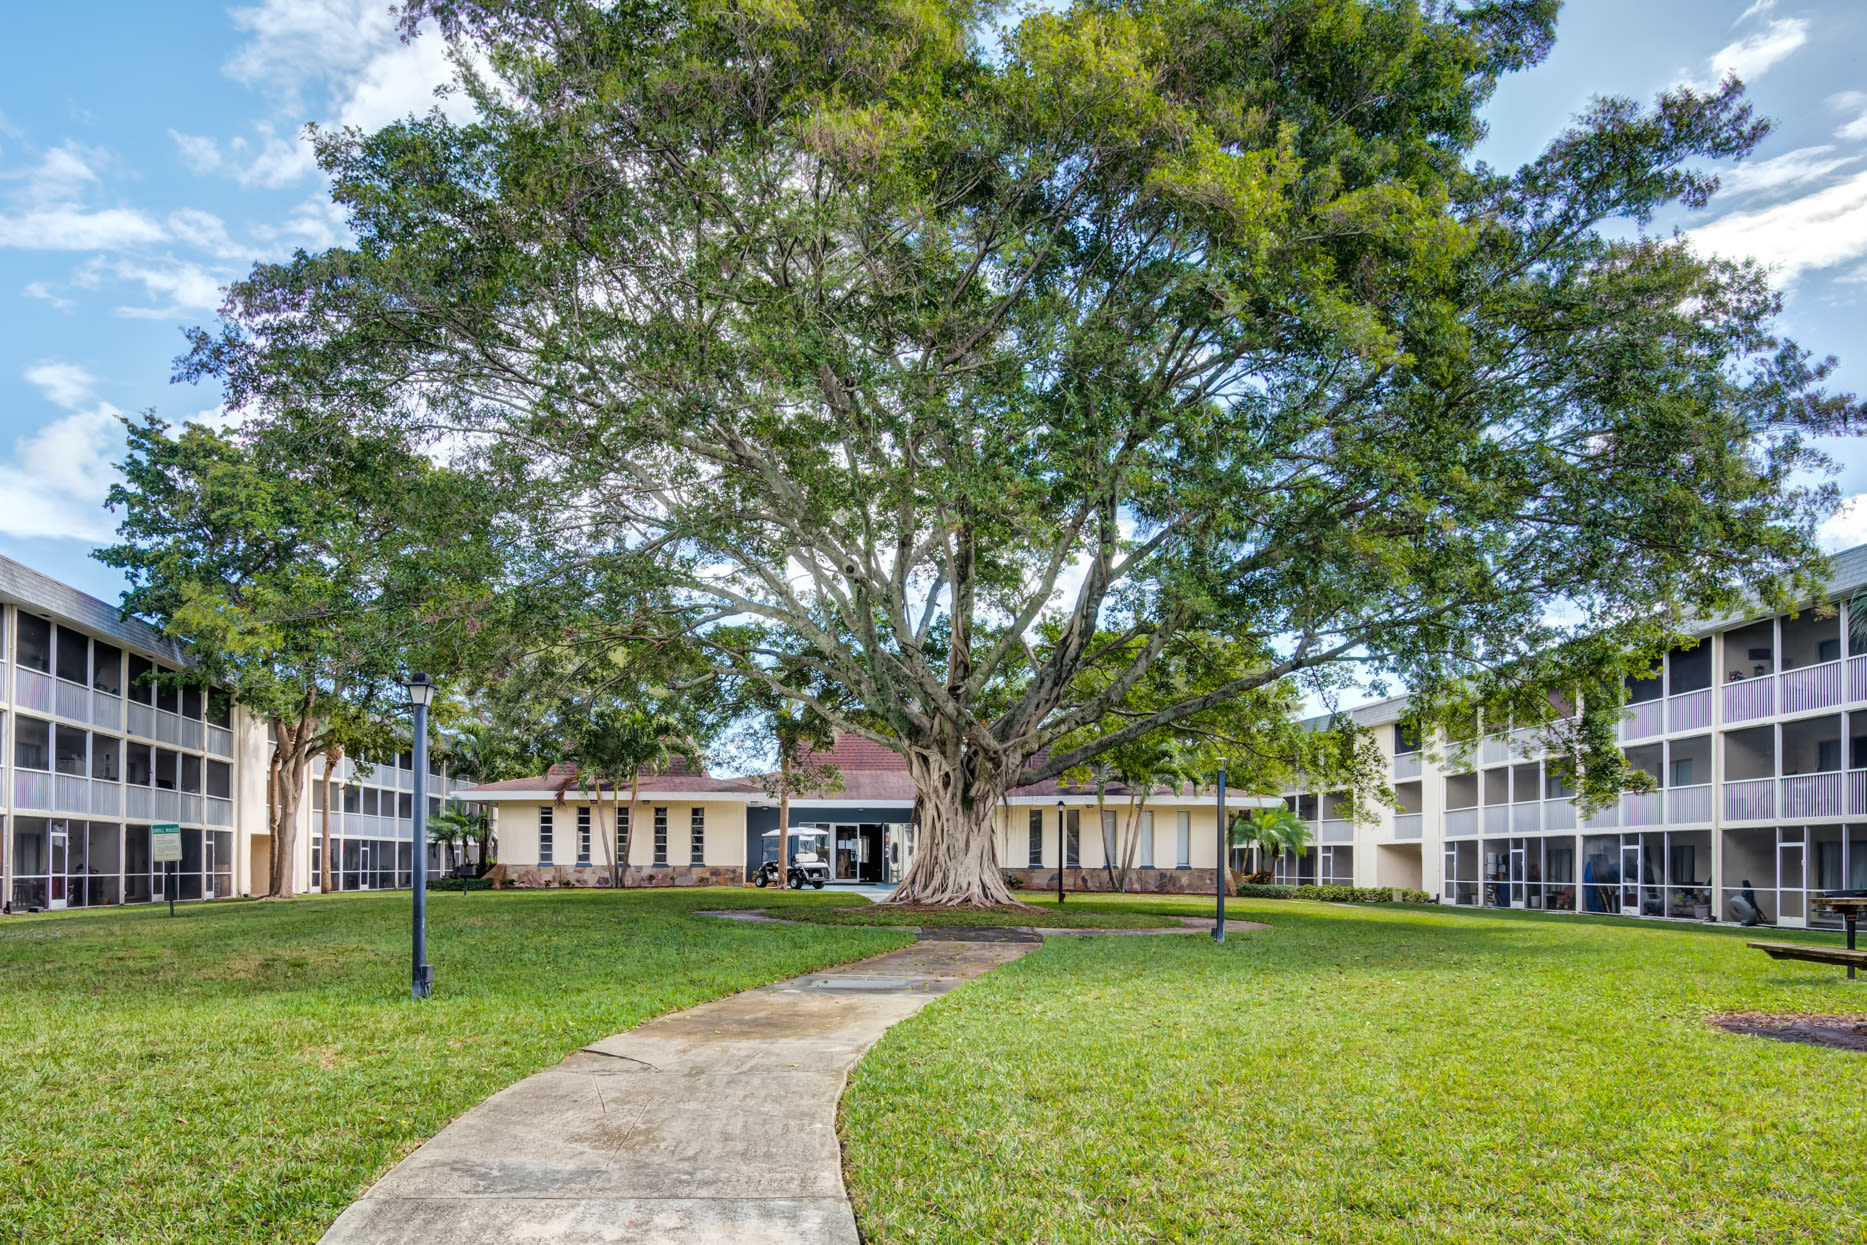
(1630, 875)
(1517, 893)
(1791, 900)
(366, 860)
(60, 854)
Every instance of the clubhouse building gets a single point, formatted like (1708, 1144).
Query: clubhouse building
(1756, 739)
(92, 755)
(697, 830)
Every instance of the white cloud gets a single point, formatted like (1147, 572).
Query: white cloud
(1854, 102)
(63, 384)
(1819, 230)
(43, 290)
(201, 155)
(1805, 164)
(1847, 526)
(1754, 55)
(74, 229)
(56, 484)
(279, 162)
(183, 286)
(401, 80)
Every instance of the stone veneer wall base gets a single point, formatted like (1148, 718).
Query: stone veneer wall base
(1140, 881)
(532, 877)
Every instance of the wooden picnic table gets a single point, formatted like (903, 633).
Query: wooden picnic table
(1850, 904)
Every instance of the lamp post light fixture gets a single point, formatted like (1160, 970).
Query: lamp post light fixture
(420, 690)
(1063, 849)
(1218, 874)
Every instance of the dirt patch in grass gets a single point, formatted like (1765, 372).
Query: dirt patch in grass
(1840, 1032)
(933, 916)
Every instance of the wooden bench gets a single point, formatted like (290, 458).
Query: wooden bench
(1812, 953)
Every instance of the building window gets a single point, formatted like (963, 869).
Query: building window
(544, 835)
(583, 834)
(74, 657)
(661, 836)
(1036, 848)
(622, 837)
(34, 643)
(1108, 838)
(32, 742)
(1183, 841)
(1147, 840)
(697, 851)
(1073, 839)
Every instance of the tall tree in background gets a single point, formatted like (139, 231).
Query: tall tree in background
(993, 365)
(302, 579)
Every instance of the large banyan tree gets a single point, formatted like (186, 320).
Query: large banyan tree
(1040, 381)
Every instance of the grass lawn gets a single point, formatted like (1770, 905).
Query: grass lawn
(243, 1071)
(1366, 1074)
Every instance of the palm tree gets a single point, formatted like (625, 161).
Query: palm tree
(454, 827)
(617, 745)
(1274, 831)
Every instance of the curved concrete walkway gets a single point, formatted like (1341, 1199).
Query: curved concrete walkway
(712, 1125)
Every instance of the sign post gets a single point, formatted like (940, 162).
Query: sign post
(167, 842)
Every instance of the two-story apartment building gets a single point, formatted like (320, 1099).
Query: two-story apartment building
(1756, 739)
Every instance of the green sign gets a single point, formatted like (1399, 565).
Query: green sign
(168, 843)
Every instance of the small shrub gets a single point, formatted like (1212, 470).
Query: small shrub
(1260, 890)
(460, 884)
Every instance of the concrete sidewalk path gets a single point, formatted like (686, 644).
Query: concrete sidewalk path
(712, 1125)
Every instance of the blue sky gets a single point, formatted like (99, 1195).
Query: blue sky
(151, 152)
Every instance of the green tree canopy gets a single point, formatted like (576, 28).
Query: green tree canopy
(306, 579)
(982, 362)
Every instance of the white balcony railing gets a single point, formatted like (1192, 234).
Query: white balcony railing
(1813, 687)
(1644, 719)
(106, 798)
(217, 812)
(1406, 765)
(32, 789)
(1335, 830)
(1558, 814)
(1526, 818)
(1461, 822)
(6, 685)
(1496, 749)
(1406, 825)
(220, 741)
(34, 690)
(168, 806)
(190, 809)
(73, 701)
(142, 721)
(191, 733)
(1689, 711)
(1753, 800)
(168, 727)
(1603, 819)
(1497, 819)
(1688, 806)
(106, 711)
(139, 803)
(1813, 795)
(1643, 808)
(1857, 791)
(1857, 678)
(405, 779)
(1749, 699)
(73, 794)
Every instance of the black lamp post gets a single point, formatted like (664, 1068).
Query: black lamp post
(1063, 851)
(420, 695)
(1218, 874)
